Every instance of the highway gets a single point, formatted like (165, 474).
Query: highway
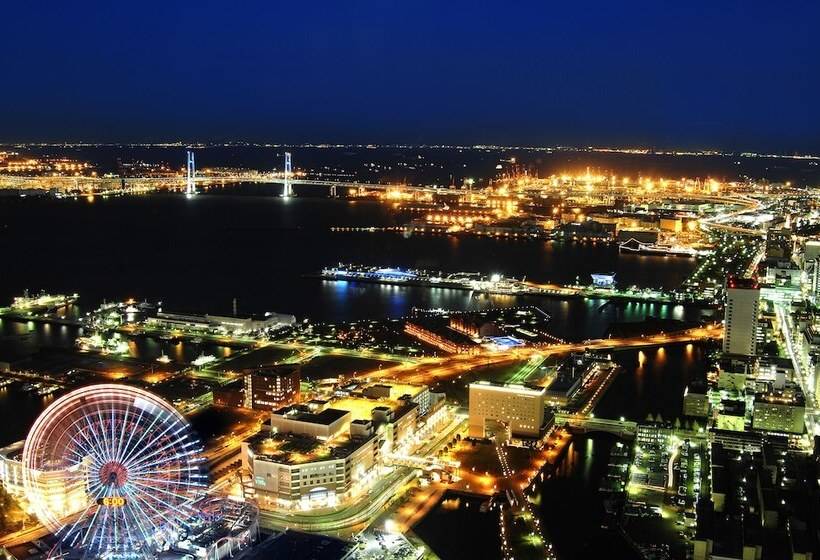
(454, 366)
(719, 222)
(812, 414)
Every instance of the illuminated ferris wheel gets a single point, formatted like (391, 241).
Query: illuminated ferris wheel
(112, 470)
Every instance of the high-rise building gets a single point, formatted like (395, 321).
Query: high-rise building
(742, 301)
(272, 387)
(520, 407)
(812, 269)
(811, 250)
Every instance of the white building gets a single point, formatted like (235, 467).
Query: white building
(61, 492)
(520, 407)
(290, 470)
(742, 303)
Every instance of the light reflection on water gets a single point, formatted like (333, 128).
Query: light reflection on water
(652, 381)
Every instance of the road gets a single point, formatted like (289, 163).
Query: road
(812, 415)
(443, 369)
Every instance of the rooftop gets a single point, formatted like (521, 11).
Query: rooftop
(324, 417)
(361, 408)
(297, 449)
(524, 388)
(274, 371)
(738, 283)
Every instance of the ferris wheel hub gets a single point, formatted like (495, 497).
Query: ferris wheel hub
(114, 474)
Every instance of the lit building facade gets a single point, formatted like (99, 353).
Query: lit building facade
(62, 494)
(779, 413)
(520, 407)
(695, 402)
(742, 305)
(271, 388)
(295, 469)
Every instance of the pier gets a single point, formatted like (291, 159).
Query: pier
(497, 284)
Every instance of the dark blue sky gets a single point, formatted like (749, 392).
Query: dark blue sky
(737, 75)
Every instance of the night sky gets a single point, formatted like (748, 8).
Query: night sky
(714, 74)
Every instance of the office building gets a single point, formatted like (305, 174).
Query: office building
(519, 407)
(742, 302)
(779, 411)
(272, 387)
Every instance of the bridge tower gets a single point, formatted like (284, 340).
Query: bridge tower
(333, 191)
(190, 186)
(288, 190)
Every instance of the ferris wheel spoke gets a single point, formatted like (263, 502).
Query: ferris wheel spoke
(106, 445)
(86, 452)
(91, 503)
(180, 442)
(159, 513)
(124, 449)
(140, 518)
(182, 456)
(142, 482)
(94, 518)
(143, 518)
(95, 441)
(126, 455)
(114, 448)
(181, 504)
(91, 442)
(150, 444)
(100, 529)
(189, 468)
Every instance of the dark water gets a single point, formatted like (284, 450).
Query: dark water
(456, 528)
(18, 411)
(653, 382)
(198, 254)
(571, 508)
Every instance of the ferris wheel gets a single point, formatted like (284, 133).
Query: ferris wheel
(112, 470)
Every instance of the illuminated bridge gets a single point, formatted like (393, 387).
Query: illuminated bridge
(103, 185)
(587, 423)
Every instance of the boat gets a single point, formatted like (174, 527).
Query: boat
(203, 359)
(96, 343)
(632, 245)
(47, 390)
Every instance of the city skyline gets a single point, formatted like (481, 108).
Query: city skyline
(410, 281)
